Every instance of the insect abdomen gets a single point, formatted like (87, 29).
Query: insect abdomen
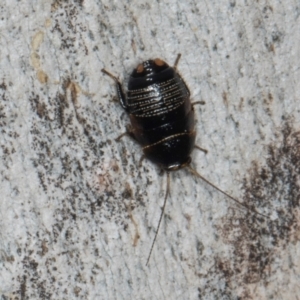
(163, 121)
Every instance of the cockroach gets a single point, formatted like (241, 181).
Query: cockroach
(162, 120)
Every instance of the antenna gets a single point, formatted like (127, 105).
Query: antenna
(194, 172)
(161, 215)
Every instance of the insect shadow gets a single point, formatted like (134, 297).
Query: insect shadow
(162, 121)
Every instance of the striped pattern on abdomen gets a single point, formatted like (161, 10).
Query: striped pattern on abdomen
(157, 99)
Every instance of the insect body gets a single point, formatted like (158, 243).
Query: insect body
(161, 114)
(162, 119)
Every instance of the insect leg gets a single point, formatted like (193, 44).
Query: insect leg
(141, 160)
(161, 215)
(177, 61)
(128, 132)
(201, 149)
(198, 102)
(120, 92)
(121, 135)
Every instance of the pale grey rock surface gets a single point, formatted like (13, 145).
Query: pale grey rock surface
(77, 214)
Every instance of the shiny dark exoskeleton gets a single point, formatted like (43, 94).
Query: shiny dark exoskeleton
(161, 114)
(162, 120)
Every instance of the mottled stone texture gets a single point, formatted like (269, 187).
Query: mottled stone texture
(77, 213)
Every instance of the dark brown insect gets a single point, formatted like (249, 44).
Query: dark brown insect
(162, 119)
